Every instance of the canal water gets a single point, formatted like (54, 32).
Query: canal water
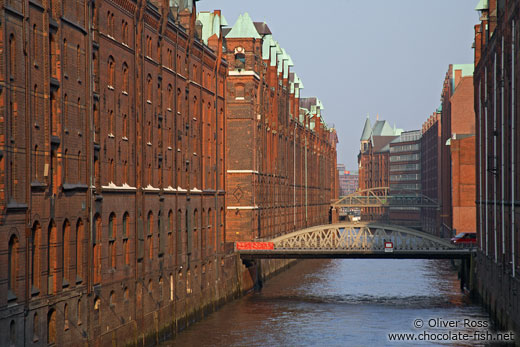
(349, 302)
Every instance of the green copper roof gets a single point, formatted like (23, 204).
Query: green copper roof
(367, 130)
(211, 24)
(482, 5)
(467, 70)
(267, 44)
(243, 28)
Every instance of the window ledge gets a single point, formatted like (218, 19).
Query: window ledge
(124, 138)
(110, 87)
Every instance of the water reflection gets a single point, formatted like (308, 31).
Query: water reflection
(349, 302)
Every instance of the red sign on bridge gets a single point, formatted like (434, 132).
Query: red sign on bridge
(252, 246)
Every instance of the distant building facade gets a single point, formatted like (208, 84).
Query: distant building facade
(373, 161)
(431, 171)
(405, 174)
(348, 181)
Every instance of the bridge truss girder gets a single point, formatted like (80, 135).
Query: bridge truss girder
(380, 197)
(359, 240)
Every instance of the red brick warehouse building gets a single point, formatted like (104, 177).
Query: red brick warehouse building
(113, 155)
(111, 169)
(374, 162)
(497, 121)
(281, 156)
(457, 151)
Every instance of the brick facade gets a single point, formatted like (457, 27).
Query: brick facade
(113, 196)
(281, 157)
(497, 142)
(457, 122)
(431, 171)
(119, 118)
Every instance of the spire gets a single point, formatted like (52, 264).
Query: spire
(367, 130)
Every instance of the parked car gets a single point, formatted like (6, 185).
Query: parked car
(465, 239)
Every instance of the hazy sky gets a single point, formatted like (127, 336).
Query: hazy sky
(367, 57)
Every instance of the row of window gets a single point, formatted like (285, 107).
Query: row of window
(405, 167)
(404, 148)
(405, 177)
(404, 157)
(60, 251)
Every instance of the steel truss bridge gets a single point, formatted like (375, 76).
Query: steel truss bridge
(380, 197)
(353, 240)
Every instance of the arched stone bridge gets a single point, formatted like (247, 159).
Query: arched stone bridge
(353, 240)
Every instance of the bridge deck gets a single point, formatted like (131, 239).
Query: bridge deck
(333, 254)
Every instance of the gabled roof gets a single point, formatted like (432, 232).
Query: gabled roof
(243, 28)
(367, 130)
(482, 5)
(382, 128)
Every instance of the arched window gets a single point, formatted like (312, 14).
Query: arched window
(35, 43)
(149, 46)
(170, 233)
(35, 255)
(112, 299)
(110, 72)
(161, 288)
(111, 123)
(221, 229)
(13, 263)
(79, 248)
(112, 227)
(52, 257)
(149, 88)
(110, 23)
(124, 29)
(125, 126)
(65, 251)
(52, 49)
(159, 234)
(36, 176)
(66, 317)
(178, 240)
(51, 327)
(78, 312)
(149, 226)
(170, 97)
(125, 77)
(64, 57)
(126, 233)
(210, 230)
(97, 249)
(125, 171)
(12, 56)
(79, 167)
(171, 287)
(78, 63)
(36, 328)
(65, 165)
(12, 333)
